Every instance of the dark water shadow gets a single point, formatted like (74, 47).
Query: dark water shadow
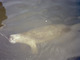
(2, 14)
(74, 58)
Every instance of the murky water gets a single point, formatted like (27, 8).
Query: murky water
(23, 15)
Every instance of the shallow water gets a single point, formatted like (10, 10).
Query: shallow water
(28, 14)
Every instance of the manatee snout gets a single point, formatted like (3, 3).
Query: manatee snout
(11, 39)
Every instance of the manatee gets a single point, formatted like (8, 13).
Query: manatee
(39, 35)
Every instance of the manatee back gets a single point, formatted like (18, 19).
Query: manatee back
(47, 32)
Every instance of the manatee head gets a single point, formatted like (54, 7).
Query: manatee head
(15, 38)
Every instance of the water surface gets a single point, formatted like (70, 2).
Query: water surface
(28, 14)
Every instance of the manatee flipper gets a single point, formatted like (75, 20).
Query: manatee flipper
(33, 46)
